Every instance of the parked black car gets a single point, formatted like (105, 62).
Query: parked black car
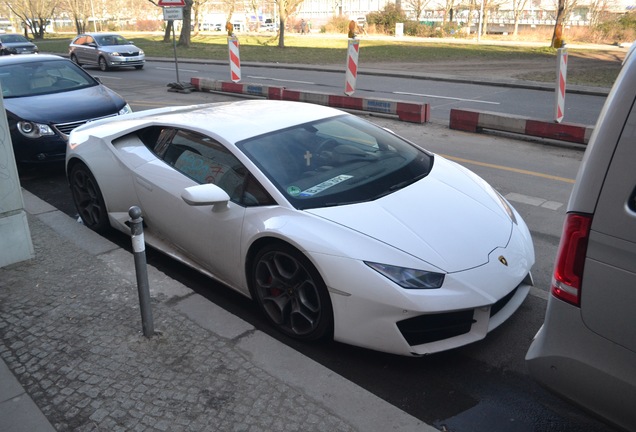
(45, 98)
(11, 43)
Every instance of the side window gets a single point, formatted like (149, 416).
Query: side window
(205, 160)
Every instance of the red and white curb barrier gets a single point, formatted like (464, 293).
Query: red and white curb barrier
(476, 121)
(352, 66)
(562, 71)
(405, 111)
(235, 58)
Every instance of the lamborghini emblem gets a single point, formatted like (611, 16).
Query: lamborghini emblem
(503, 260)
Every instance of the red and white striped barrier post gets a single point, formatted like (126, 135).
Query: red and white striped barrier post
(352, 66)
(562, 72)
(235, 58)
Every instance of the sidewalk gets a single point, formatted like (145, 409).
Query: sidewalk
(75, 359)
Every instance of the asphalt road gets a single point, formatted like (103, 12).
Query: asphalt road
(480, 387)
(441, 95)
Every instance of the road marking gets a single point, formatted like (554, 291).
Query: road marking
(533, 201)
(282, 80)
(180, 70)
(505, 168)
(447, 97)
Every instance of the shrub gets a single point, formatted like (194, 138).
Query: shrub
(386, 19)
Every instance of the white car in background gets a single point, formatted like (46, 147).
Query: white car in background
(335, 226)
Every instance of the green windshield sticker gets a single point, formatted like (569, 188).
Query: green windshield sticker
(324, 185)
(293, 190)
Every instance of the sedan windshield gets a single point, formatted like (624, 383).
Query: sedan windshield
(110, 40)
(13, 38)
(42, 77)
(337, 161)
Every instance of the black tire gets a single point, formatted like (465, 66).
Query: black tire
(139, 67)
(75, 60)
(88, 198)
(103, 64)
(291, 293)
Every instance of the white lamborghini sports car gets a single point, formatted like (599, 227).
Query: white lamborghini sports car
(334, 226)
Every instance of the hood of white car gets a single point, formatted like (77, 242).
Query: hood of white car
(451, 219)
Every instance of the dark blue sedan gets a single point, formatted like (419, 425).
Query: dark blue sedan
(45, 98)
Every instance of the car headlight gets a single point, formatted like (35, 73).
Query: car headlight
(506, 206)
(141, 52)
(125, 110)
(34, 130)
(409, 278)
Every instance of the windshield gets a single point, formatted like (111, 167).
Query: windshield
(111, 40)
(42, 77)
(11, 38)
(337, 161)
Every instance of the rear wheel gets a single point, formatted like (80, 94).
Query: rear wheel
(291, 293)
(103, 64)
(88, 198)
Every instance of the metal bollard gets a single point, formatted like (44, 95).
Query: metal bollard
(139, 251)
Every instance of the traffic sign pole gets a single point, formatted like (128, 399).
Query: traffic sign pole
(173, 11)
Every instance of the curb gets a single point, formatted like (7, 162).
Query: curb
(405, 111)
(476, 121)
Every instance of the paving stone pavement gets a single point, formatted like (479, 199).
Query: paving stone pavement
(70, 333)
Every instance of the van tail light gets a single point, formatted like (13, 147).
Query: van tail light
(568, 270)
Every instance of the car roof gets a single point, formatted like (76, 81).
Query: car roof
(29, 58)
(245, 119)
(229, 121)
(100, 34)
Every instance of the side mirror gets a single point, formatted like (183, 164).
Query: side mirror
(205, 194)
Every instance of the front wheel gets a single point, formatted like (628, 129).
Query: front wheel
(75, 60)
(103, 64)
(88, 198)
(291, 293)
(140, 67)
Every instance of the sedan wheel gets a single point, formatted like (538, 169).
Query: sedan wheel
(75, 60)
(88, 198)
(288, 288)
(103, 65)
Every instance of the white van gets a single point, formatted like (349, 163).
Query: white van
(586, 348)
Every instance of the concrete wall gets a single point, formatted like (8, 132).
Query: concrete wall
(15, 236)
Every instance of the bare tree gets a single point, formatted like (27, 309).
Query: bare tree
(185, 35)
(80, 11)
(286, 8)
(564, 8)
(418, 7)
(518, 6)
(598, 8)
(557, 35)
(35, 14)
(448, 6)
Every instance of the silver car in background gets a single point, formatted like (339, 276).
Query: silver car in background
(106, 51)
(586, 349)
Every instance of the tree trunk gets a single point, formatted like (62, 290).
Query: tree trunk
(168, 31)
(281, 33)
(184, 37)
(557, 36)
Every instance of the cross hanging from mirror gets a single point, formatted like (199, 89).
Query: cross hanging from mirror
(308, 157)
